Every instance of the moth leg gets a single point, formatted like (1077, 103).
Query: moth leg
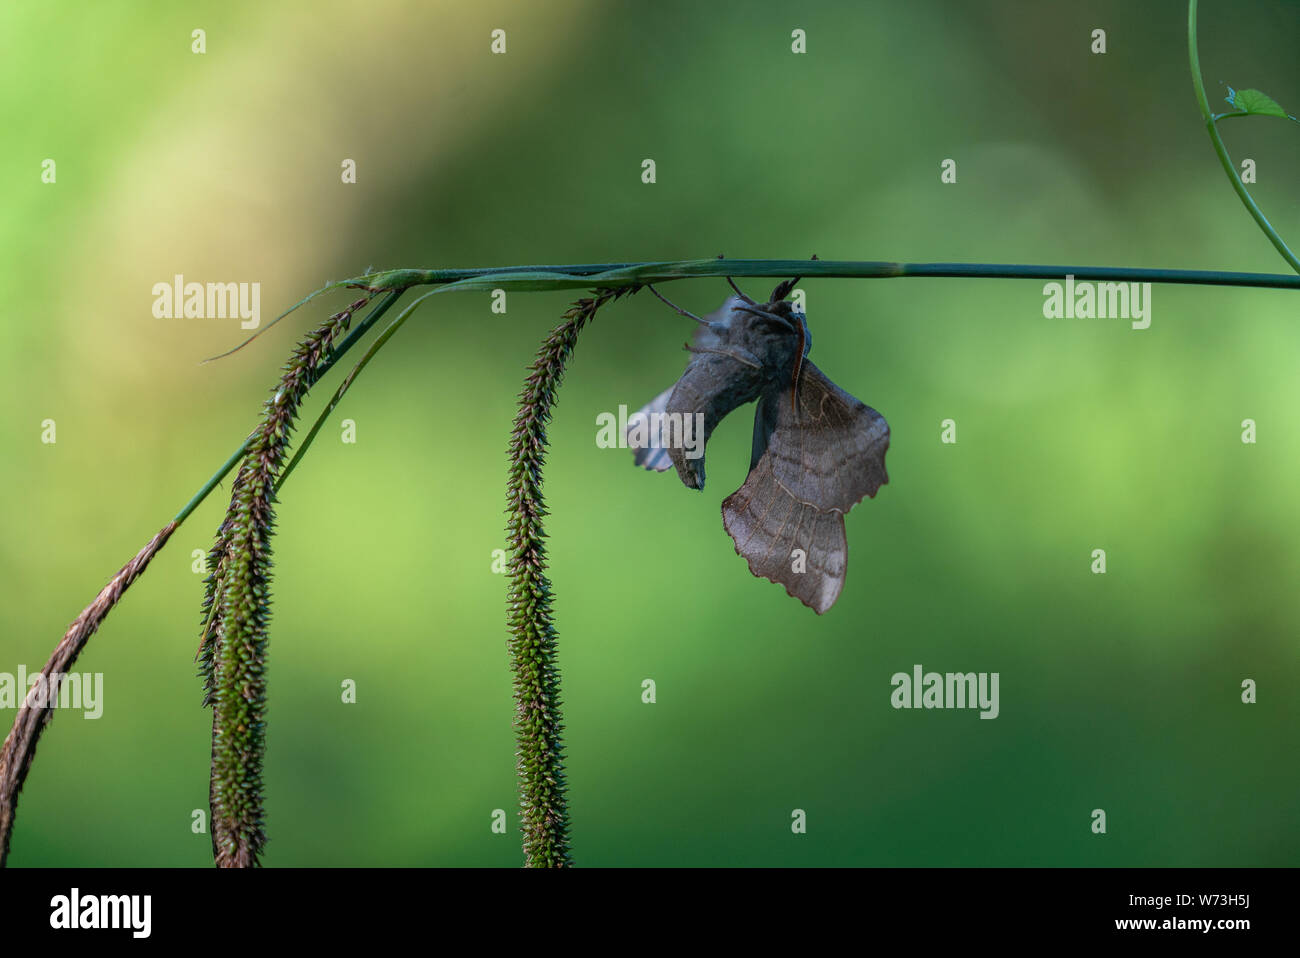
(739, 355)
(702, 322)
(739, 293)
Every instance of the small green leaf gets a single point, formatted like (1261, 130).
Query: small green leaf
(1255, 102)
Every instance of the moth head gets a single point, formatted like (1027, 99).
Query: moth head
(782, 317)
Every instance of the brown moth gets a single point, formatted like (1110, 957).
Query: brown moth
(817, 451)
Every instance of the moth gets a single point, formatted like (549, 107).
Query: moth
(817, 451)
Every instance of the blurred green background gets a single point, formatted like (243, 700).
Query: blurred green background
(1119, 692)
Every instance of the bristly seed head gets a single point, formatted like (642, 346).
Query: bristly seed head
(236, 609)
(538, 722)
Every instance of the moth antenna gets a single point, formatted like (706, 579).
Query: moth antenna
(702, 322)
(721, 352)
(739, 293)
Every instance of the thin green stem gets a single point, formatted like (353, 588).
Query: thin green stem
(339, 351)
(212, 482)
(1212, 127)
(1229, 116)
(370, 353)
(611, 275)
